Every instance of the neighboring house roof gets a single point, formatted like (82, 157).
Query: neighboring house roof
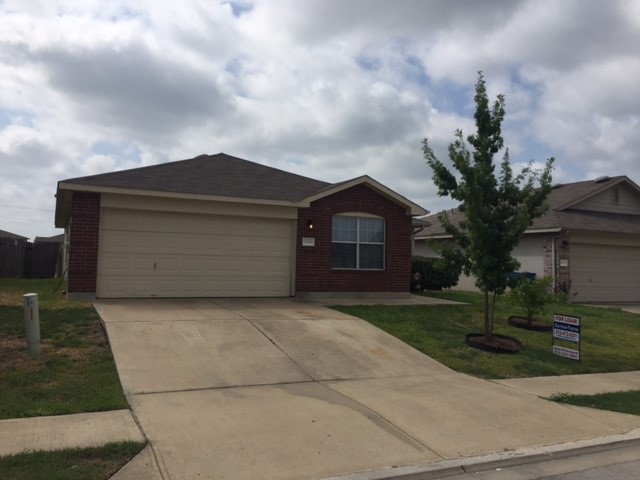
(5, 234)
(564, 212)
(221, 177)
(54, 239)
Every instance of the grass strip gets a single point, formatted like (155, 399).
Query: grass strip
(96, 463)
(624, 402)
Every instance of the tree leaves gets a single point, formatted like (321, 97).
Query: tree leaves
(497, 209)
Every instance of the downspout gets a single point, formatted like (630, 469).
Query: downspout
(553, 256)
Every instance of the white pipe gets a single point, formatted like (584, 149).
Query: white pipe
(32, 323)
(553, 256)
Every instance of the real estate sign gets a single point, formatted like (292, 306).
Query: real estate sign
(566, 328)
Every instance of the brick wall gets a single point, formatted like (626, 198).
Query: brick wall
(313, 264)
(83, 242)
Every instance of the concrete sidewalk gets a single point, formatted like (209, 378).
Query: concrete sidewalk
(67, 431)
(587, 384)
(92, 429)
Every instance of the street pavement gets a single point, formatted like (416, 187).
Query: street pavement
(610, 461)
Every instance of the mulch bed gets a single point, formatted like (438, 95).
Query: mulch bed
(498, 344)
(535, 326)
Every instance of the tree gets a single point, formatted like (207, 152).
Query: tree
(497, 209)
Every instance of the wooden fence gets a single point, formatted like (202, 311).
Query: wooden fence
(12, 252)
(22, 259)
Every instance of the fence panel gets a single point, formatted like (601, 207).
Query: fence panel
(12, 252)
(41, 260)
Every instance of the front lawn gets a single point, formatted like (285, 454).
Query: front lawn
(610, 337)
(74, 372)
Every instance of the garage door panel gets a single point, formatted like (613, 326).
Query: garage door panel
(142, 286)
(605, 273)
(145, 254)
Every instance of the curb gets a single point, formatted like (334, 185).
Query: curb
(494, 461)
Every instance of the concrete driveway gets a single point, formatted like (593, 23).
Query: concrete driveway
(280, 389)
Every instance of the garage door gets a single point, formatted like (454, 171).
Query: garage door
(605, 273)
(160, 254)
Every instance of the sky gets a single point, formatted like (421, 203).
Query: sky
(329, 89)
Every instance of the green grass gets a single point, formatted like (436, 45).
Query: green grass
(98, 463)
(625, 402)
(75, 370)
(609, 337)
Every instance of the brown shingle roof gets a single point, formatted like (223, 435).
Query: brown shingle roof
(219, 175)
(561, 215)
(55, 239)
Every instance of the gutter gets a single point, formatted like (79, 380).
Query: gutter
(553, 253)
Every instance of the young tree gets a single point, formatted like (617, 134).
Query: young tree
(497, 209)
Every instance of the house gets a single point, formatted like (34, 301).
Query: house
(12, 254)
(221, 226)
(588, 241)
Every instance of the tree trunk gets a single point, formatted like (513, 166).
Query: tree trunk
(488, 327)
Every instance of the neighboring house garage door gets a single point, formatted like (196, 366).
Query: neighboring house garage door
(161, 254)
(605, 273)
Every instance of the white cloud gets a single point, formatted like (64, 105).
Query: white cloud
(324, 88)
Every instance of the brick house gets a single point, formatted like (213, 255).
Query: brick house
(221, 226)
(588, 241)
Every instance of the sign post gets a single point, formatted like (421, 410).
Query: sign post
(566, 328)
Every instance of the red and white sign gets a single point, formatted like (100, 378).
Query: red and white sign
(566, 319)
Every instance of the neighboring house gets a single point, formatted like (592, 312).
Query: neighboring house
(12, 254)
(220, 226)
(588, 241)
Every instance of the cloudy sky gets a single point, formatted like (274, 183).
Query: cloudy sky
(330, 89)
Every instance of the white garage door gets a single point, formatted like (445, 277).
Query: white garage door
(605, 273)
(160, 254)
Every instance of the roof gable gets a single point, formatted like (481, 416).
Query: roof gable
(620, 196)
(412, 208)
(581, 206)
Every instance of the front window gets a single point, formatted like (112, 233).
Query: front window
(358, 243)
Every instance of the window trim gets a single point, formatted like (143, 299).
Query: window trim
(361, 216)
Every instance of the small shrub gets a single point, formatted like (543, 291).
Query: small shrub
(532, 296)
(563, 291)
(431, 273)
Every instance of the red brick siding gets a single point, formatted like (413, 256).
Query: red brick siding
(83, 242)
(313, 264)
